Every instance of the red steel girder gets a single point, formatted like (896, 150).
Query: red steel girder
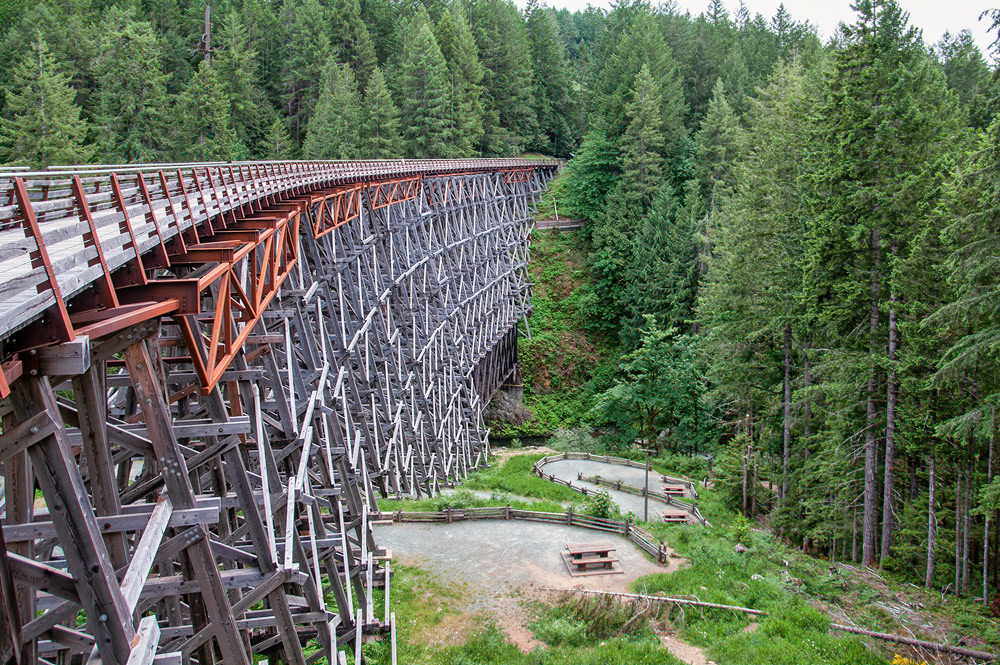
(337, 206)
(238, 290)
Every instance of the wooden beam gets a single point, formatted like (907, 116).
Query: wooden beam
(66, 359)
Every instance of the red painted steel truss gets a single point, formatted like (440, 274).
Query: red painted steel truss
(206, 244)
(342, 204)
(215, 281)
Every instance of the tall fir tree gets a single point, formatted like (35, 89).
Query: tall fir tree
(334, 131)
(202, 119)
(381, 137)
(465, 79)
(509, 119)
(133, 102)
(42, 124)
(277, 144)
(553, 96)
(307, 49)
(423, 93)
(884, 130)
(349, 37)
(236, 65)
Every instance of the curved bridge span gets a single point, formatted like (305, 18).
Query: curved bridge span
(209, 374)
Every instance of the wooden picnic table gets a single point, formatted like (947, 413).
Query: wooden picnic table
(675, 515)
(590, 559)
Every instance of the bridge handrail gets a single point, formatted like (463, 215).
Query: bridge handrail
(48, 218)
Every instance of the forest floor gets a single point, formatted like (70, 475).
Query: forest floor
(471, 593)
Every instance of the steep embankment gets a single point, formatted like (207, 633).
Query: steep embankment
(560, 357)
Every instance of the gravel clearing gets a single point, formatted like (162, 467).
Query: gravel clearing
(503, 563)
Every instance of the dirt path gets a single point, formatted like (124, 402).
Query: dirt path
(689, 653)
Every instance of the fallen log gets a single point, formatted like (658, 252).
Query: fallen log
(663, 599)
(923, 644)
(899, 639)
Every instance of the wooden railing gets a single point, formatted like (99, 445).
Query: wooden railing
(689, 506)
(644, 540)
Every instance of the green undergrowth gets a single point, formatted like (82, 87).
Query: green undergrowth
(560, 357)
(464, 499)
(515, 476)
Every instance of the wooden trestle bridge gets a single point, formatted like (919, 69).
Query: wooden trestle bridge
(209, 374)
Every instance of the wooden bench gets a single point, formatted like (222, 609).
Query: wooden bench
(590, 559)
(674, 490)
(676, 516)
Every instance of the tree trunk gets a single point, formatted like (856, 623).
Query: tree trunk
(986, 526)
(870, 508)
(786, 454)
(959, 494)
(888, 513)
(854, 537)
(746, 457)
(931, 527)
(807, 381)
(966, 517)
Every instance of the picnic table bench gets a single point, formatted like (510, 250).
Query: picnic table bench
(674, 490)
(675, 515)
(590, 559)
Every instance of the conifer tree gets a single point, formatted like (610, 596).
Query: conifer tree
(204, 132)
(236, 65)
(641, 43)
(352, 43)
(423, 93)
(509, 119)
(277, 143)
(42, 124)
(887, 114)
(133, 106)
(307, 49)
(716, 146)
(554, 105)
(333, 131)
(643, 141)
(590, 176)
(381, 138)
(465, 78)
(749, 303)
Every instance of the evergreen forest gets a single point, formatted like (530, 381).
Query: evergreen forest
(790, 253)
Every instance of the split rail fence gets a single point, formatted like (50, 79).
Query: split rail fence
(642, 538)
(689, 506)
(211, 371)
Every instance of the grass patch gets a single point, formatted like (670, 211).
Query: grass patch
(465, 499)
(583, 621)
(759, 578)
(515, 476)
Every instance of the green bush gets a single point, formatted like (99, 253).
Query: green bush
(600, 505)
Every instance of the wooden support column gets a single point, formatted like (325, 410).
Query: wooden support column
(171, 464)
(92, 416)
(109, 619)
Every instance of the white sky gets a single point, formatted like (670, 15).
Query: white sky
(934, 17)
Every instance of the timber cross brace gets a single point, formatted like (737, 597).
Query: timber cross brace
(210, 372)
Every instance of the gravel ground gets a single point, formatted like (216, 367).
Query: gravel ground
(501, 563)
(568, 469)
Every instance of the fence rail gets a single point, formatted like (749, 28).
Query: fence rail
(637, 535)
(689, 506)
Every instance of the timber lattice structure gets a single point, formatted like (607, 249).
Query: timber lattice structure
(209, 374)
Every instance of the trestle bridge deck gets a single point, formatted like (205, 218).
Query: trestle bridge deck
(209, 374)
